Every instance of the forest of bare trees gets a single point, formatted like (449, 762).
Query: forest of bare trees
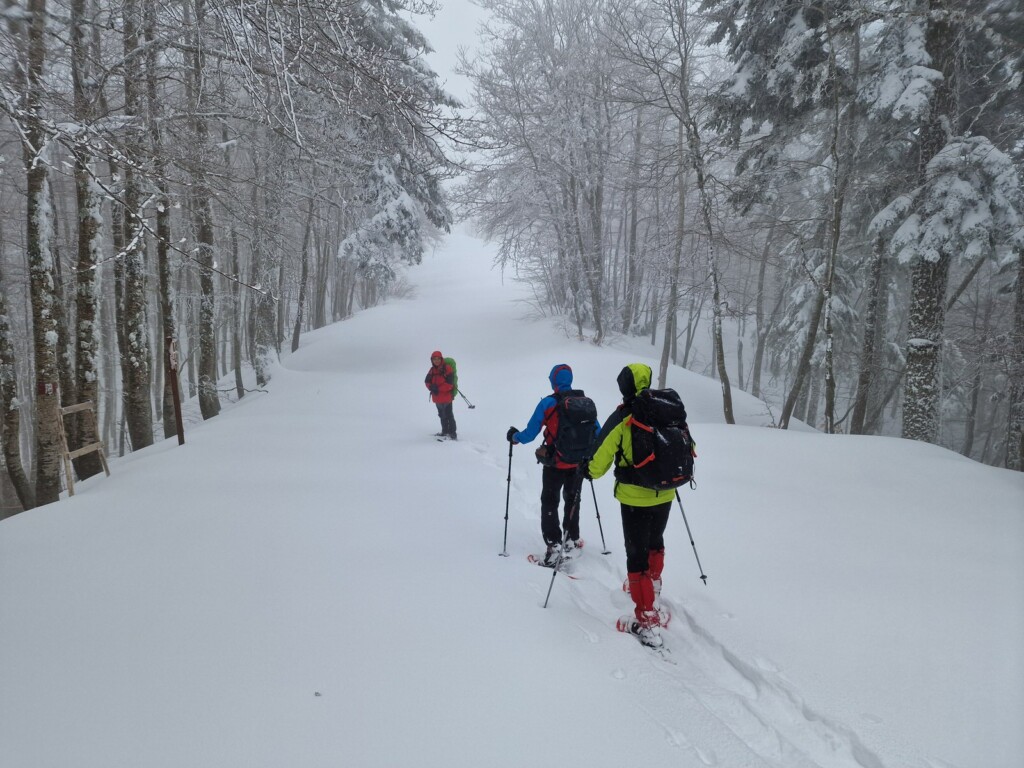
(185, 186)
(826, 194)
(827, 191)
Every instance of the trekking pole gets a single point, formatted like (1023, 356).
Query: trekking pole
(574, 510)
(508, 489)
(701, 567)
(471, 406)
(558, 564)
(604, 550)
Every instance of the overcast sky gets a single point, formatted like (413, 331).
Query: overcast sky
(453, 27)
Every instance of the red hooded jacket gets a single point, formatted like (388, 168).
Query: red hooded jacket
(440, 380)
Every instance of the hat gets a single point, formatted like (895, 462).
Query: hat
(634, 378)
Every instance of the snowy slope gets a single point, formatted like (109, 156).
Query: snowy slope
(313, 580)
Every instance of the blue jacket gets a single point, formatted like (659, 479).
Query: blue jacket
(544, 414)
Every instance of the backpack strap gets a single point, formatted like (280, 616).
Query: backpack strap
(559, 398)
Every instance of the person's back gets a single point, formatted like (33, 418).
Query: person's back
(645, 510)
(560, 460)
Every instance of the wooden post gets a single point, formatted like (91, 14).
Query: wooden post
(172, 373)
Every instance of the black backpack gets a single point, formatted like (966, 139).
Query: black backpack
(662, 445)
(577, 419)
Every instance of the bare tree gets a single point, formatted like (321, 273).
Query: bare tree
(90, 236)
(202, 208)
(136, 355)
(10, 426)
(40, 263)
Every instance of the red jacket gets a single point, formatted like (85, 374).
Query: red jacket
(440, 380)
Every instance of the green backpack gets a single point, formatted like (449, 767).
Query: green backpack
(455, 375)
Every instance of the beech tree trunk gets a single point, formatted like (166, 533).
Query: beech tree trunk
(869, 346)
(304, 276)
(90, 246)
(39, 233)
(165, 288)
(202, 211)
(136, 356)
(10, 410)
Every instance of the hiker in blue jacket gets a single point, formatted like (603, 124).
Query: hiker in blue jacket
(559, 477)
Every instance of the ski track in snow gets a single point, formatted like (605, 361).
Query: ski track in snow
(770, 723)
(743, 713)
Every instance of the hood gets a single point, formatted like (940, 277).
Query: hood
(560, 377)
(633, 379)
(436, 353)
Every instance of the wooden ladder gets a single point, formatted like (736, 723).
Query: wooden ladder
(69, 455)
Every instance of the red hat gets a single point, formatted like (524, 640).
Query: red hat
(436, 353)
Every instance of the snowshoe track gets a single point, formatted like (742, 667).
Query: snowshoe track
(770, 723)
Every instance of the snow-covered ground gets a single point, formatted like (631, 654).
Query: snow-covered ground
(313, 580)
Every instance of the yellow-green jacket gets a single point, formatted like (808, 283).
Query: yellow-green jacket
(615, 443)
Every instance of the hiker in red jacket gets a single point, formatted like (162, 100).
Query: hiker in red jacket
(440, 380)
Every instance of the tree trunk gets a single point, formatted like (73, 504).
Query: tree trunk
(236, 287)
(65, 345)
(202, 212)
(922, 386)
(265, 265)
(90, 246)
(673, 288)
(169, 333)
(869, 346)
(762, 327)
(10, 418)
(136, 354)
(804, 365)
(1015, 427)
(631, 285)
(930, 276)
(692, 324)
(303, 278)
(695, 151)
(40, 266)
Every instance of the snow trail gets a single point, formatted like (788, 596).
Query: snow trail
(313, 580)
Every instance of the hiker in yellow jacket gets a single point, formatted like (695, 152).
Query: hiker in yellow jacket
(645, 511)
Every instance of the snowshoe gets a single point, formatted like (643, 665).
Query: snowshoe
(564, 567)
(647, 635)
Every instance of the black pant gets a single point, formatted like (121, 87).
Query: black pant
(444, 410)
(566, 482)
(643, 529)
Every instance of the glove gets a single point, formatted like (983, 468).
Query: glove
(434, 390)
(511, 434)
(585, 470)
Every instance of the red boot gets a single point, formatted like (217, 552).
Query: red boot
(641, 589)
(655, 565)
(646, 620)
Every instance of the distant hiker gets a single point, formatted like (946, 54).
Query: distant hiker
(440, 380)
(569, 419)
(644, 486)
